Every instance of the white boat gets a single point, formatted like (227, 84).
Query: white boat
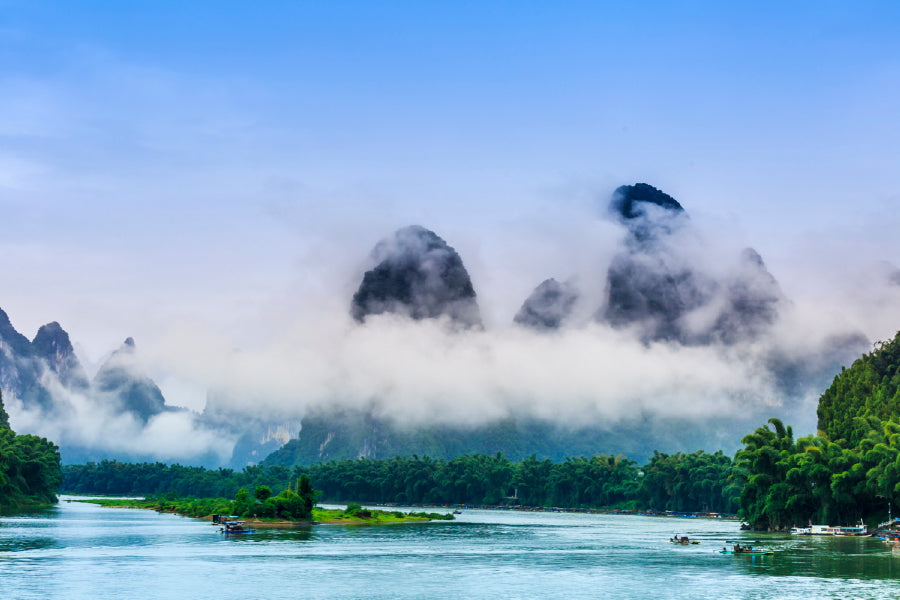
(801, 530)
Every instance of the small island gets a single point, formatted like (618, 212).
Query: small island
(205, 508)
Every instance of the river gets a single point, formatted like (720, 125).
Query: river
(77, 550)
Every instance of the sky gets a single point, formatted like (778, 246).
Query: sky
(220, 171)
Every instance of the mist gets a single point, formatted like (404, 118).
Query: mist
(312, 352)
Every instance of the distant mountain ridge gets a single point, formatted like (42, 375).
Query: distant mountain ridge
(30, 370)
(340, 434)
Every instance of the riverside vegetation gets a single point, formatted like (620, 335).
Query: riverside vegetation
(849, 470)
(29, 469)
(680, 482)
(288, 506)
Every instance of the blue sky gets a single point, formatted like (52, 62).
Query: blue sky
(222, 162)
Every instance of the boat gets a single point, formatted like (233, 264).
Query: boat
(683, 540)
(220, 519)
(743, 550)
(232, 526)
(801, 530)
(853, 530)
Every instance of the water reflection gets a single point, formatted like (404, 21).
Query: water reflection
(23, 544)
(83, 551)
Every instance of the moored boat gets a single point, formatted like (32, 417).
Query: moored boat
(235, 527)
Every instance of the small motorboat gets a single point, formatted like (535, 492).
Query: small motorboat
(683, 540)
(747, 550)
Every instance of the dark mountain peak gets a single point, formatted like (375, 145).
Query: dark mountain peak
(419, 275)
(16, 342)
(53, 345)
(51, 338)
(631, 201)
(649, 214)
(548, 305)
(125, 386)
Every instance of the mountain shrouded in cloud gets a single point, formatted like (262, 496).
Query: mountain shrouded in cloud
(418, 275)
(20, 367)
(632, 201)
(667, 293)
(548, 305)
(121, 413)
(668, 337)
(121, 383)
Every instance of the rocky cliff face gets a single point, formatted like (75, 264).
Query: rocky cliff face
(420, 276)
(53, 345)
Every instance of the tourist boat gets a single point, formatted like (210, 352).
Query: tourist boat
(856, 530)
(801, 530)
(852, 530)
(234, 527)
(743, 550)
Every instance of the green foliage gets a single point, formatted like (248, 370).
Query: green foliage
(29, 468)
(849, 471)
(681, 482)
(4, 418)
(262, 492)
(870, 387)
(690, 482)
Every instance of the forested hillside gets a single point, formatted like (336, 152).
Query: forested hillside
(29, 468)
(870, 387)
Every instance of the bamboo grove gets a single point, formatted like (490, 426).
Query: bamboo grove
(849, 471)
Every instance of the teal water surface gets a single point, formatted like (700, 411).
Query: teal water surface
(80, 550)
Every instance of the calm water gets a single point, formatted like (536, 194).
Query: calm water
(84, 551)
